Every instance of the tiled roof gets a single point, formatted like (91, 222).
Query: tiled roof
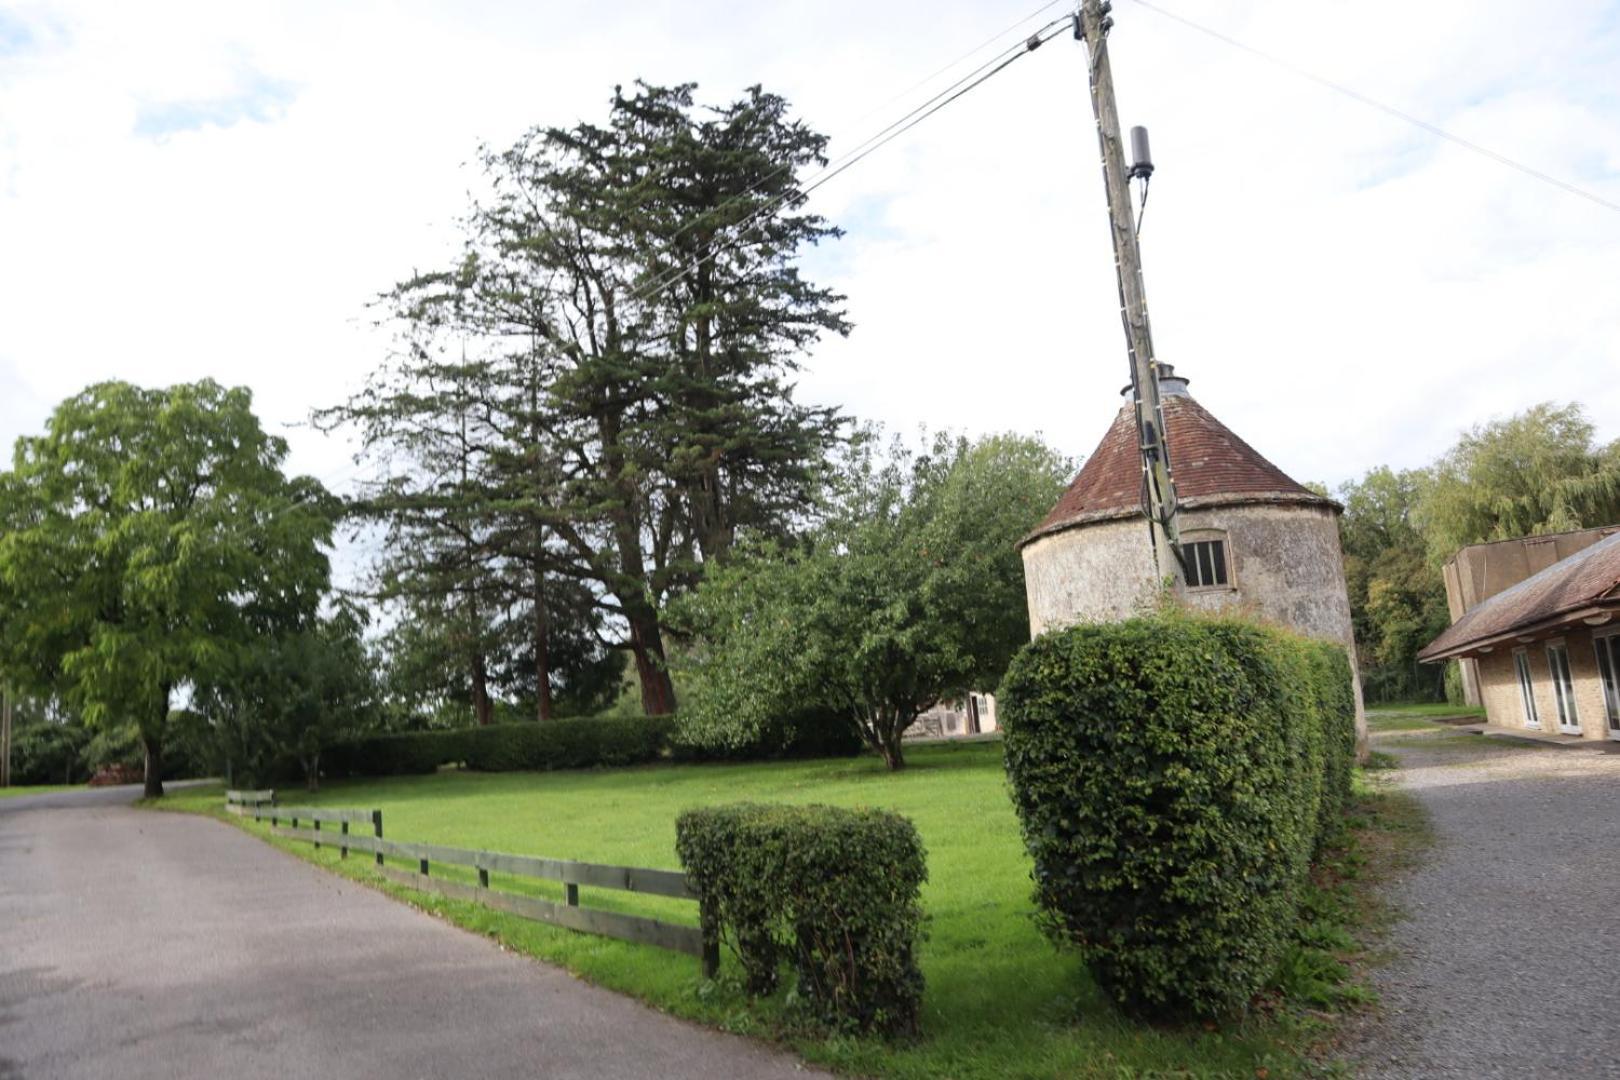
(1211, 467)
(1587, 579)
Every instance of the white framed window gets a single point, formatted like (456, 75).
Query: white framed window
(1527, 688)
(1607, 645)
(1205, 556)
(1569, 721)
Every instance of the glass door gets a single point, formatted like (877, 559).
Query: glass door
(1527, 689)
(1563, 689)
(1608, 658)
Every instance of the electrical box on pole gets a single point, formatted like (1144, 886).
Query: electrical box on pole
(1092, 24)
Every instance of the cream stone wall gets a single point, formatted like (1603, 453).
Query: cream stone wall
(1286, 568)
(1499, 685)
(1094, 573)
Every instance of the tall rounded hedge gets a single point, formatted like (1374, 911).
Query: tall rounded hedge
(1173, 777)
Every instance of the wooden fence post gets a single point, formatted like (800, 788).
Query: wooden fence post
(571, 893)
(376, 830)
(317, 834)
(343, 848)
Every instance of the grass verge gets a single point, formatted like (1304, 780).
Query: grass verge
(1000, 1002)
(36, 789)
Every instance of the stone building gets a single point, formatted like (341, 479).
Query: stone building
(1254, 539)
(1546, 651)
(974, 714)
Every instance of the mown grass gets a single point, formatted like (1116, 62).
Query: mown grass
(36, 789)
(1001, 1001)
(1389, 717)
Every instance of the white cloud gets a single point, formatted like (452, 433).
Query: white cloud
(1344, 290)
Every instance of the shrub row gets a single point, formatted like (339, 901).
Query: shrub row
(557, 744)
(1173, 777)
(833, 890)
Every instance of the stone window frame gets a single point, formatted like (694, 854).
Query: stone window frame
(1196, 536)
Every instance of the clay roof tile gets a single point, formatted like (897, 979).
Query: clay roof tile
(1210, 464)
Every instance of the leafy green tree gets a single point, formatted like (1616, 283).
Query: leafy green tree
(625, 319)
(296, 693)
(1540, 471)
(912, 591)
(145, 538)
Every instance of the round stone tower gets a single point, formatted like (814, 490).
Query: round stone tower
(1254, 540)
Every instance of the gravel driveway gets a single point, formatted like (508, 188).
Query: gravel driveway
(1508, 961)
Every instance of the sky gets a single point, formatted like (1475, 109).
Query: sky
(194, 190)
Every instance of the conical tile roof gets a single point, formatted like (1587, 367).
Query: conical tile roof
(1211, 466)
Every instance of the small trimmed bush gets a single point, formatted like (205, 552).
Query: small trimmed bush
(1173, 777)
(831, 889)
(580, 743)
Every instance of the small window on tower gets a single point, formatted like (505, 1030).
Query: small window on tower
(1206, 564)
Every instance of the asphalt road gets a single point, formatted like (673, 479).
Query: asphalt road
(1505, 964)
(141, 944)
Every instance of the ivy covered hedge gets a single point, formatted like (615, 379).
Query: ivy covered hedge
(1173, 777)
(833, 890)
(580, 743)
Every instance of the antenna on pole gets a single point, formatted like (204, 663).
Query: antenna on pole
(1159, 506)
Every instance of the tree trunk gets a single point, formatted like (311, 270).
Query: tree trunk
(886, 728)
(480, 689)
(542, 648)
(153, 745)
(152, 742)
(312, 772)
(647, 643)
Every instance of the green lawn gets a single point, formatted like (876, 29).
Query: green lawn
(36, 789)
(1001, 1001)
(1417, 716)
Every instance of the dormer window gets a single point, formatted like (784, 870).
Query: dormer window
(1205, 558)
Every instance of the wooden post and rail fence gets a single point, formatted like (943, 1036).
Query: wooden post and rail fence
(261, 806)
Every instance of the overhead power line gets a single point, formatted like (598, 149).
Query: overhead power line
(966, 84)
(1390, 110)
(908, 91)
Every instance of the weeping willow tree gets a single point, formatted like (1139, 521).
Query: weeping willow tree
(1540, 471)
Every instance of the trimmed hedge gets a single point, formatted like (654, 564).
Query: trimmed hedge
(835, 890)
(1173, 777)
(808, 733)
(580, 743)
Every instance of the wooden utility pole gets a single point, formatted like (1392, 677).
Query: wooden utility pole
(1158, 489)
(5, 736)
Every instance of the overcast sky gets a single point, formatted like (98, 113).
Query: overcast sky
(216, 189)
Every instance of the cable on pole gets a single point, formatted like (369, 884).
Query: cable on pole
(1390, 110)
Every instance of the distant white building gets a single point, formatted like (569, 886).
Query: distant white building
(974, 714)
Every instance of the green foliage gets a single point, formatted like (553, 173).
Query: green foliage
(290, 694)
(1539, 471)
(144, 538)
(598, 394)
(1173, 778)
(1397, 597)
(580, 743)
(48, 753)
(909, 592)
(834, 890)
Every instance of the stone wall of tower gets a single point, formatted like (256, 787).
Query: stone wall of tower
(1285, 560)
